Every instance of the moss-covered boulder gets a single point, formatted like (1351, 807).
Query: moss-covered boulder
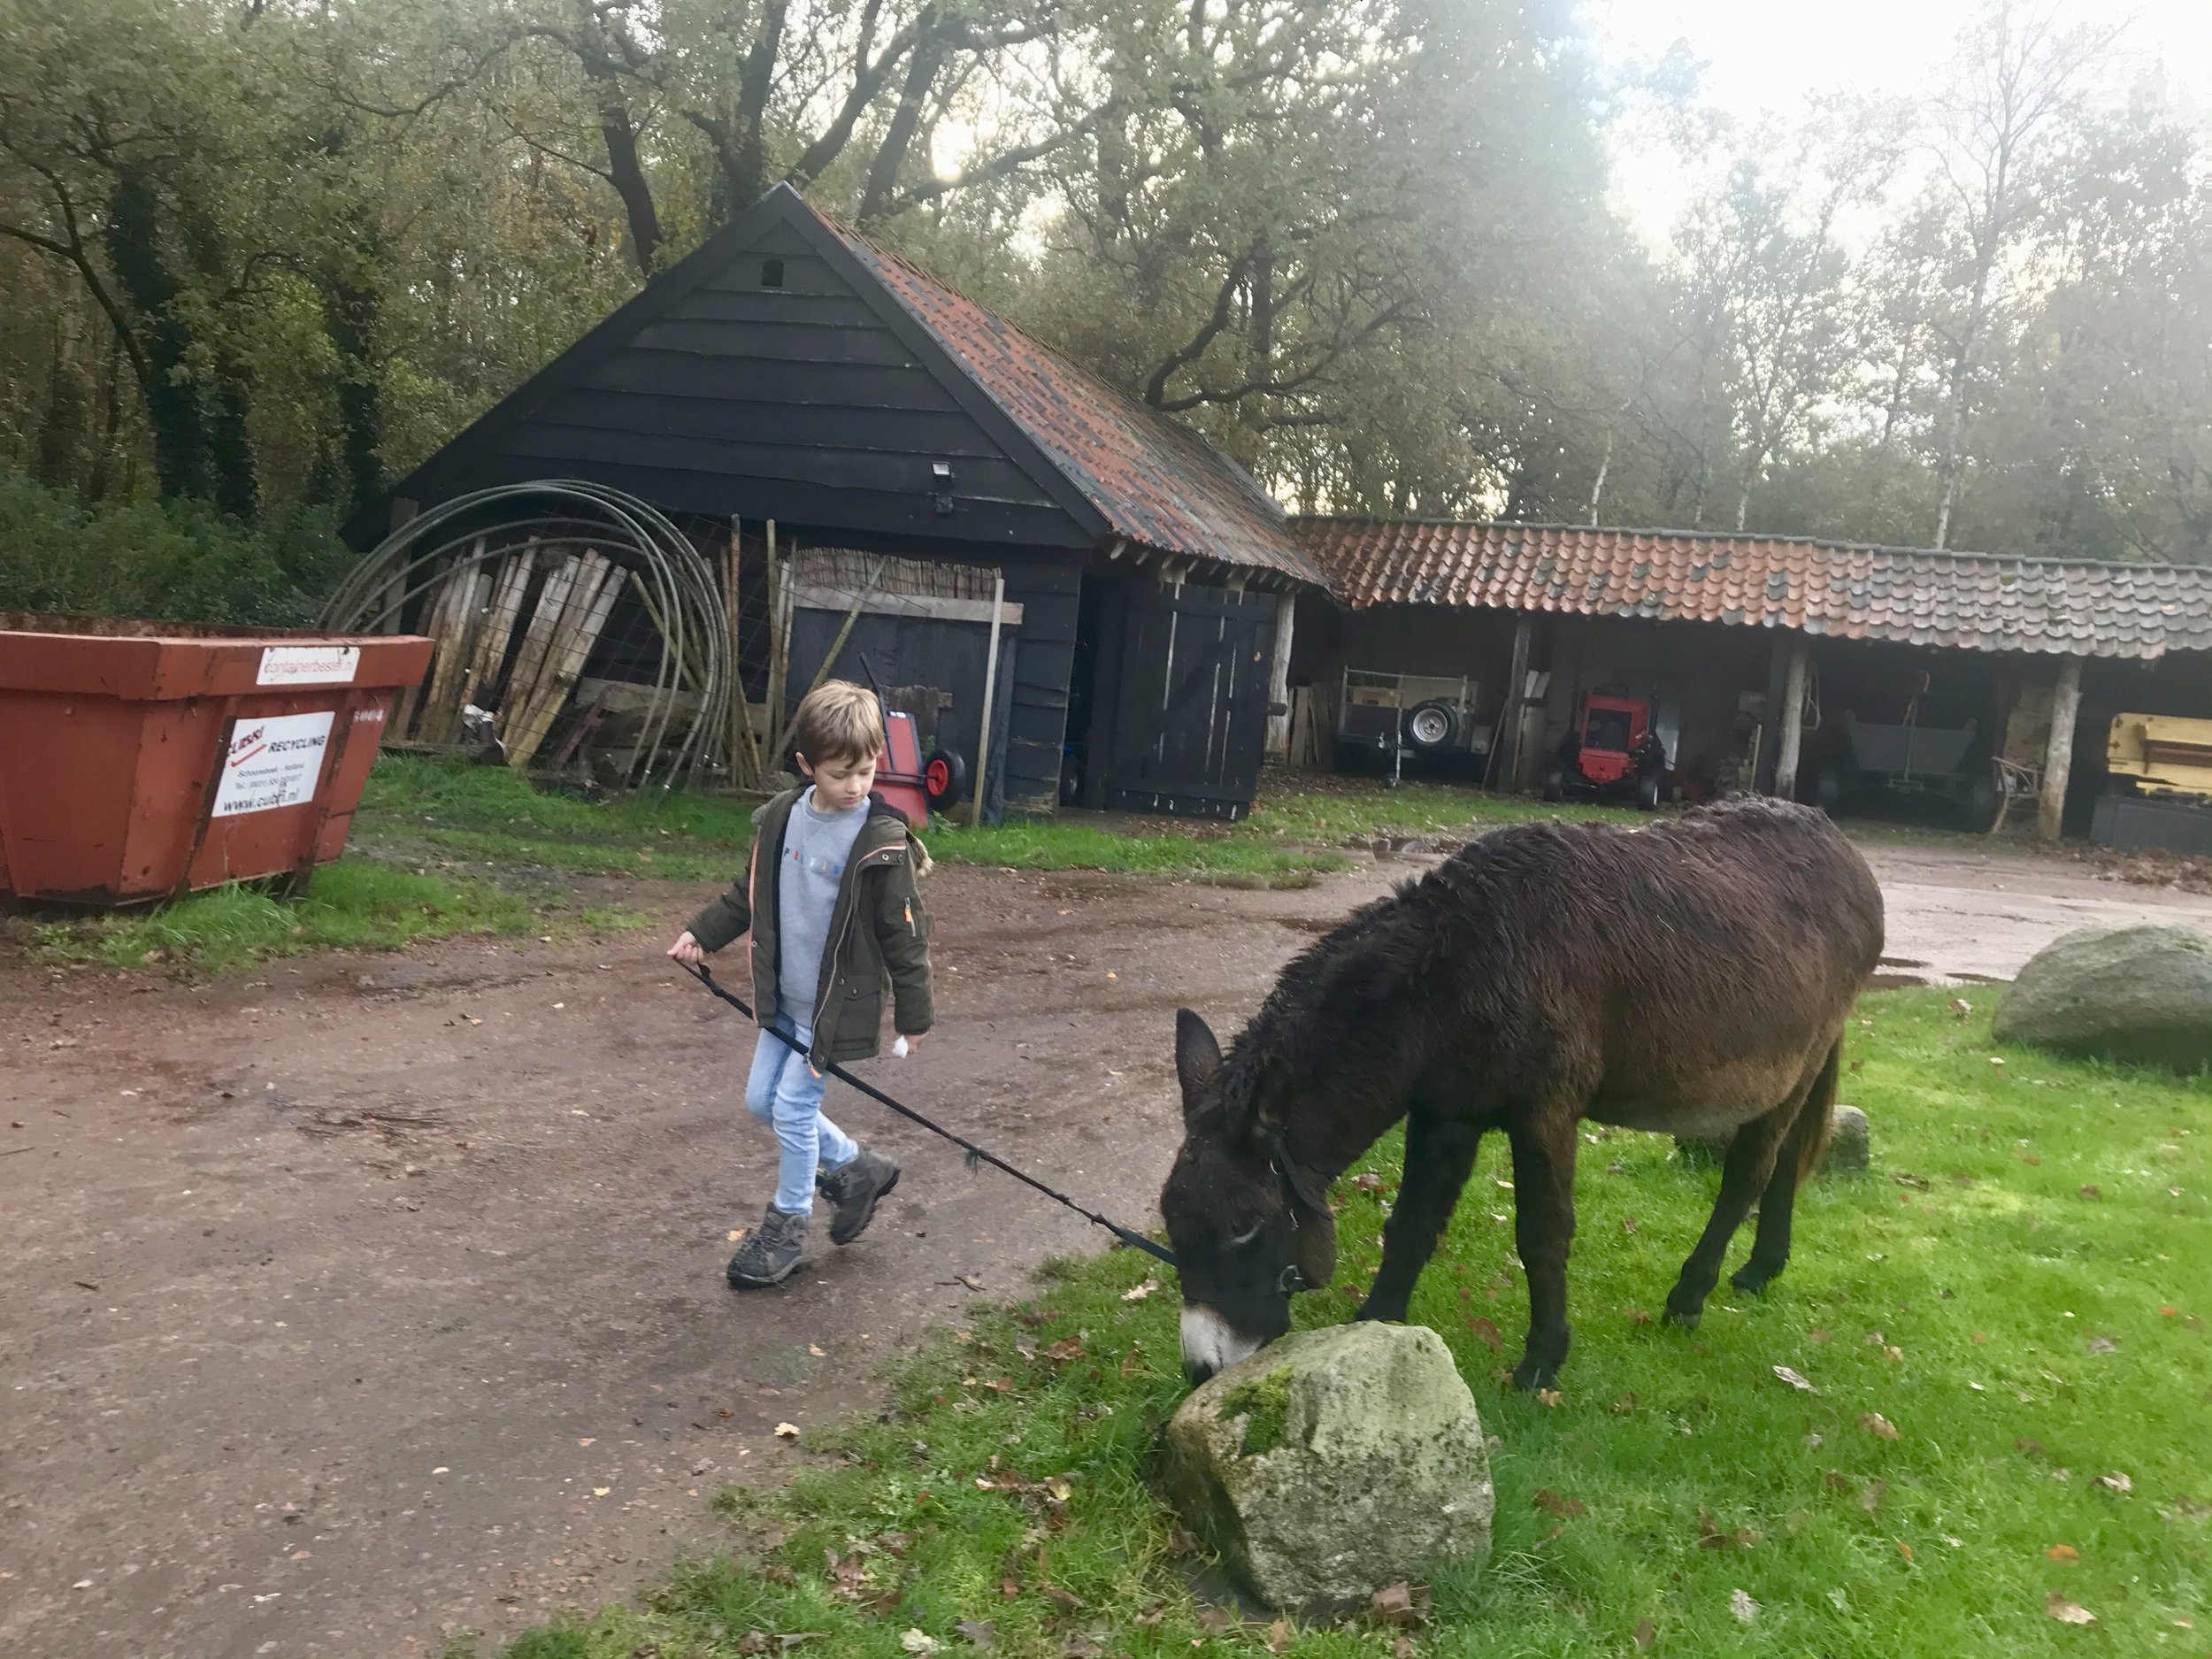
(1334, 1465)
(2142, 994)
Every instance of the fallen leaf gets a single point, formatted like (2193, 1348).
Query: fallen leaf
(1712, 1535)
(917, 1642)
(1370, 1182)
(1894, 1354)
(2103, 1345)
(1870, 1497)
(1403, 1647)
(1079, 1647)
(1278, 1636)
(1742, 1606)
(1905, 1550)
(1068, 1347)
(1138, 1293)
(1487, 1333)
(1552, 1503)
(1874, 1423)
(601, 1492)
(1960, 1007)
(1216, 1620)
(2028, 1447)
(1646, 1633)
(786, 1431)
(1066, 1600)
(1796, 1379)
(2068, 1612)
(2114, 1482)
(2089, 1189)
(1397, 1605)
(1626, 1404)
(1836, 1482)
(735, 1234)
(2064, 1553)
(1548, 1397)
(816, 1351)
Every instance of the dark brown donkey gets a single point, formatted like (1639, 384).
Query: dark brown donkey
(1690, 978)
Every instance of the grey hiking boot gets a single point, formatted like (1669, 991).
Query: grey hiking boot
(854, 1190)
(769, 1252)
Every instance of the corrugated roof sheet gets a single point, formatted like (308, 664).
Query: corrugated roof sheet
(1965, 600)
(1155, 481)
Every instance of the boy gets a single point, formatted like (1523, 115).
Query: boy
(834, 913)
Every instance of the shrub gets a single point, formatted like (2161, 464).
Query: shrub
(180, 561)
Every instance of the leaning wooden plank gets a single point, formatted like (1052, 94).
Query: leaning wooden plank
(463, 585)
(441, 707)
(525, 705)
(537, 641)
(607, 583)
(498, 628)
(433, 624)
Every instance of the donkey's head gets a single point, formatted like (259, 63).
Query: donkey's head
(1247, 1224)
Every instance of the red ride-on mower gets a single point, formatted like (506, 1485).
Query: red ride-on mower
(1612, 753)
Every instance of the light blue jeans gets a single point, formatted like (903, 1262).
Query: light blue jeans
(785, 1093)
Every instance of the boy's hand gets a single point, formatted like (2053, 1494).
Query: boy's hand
(687, 949)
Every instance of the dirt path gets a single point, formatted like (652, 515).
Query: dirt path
(366, 1299)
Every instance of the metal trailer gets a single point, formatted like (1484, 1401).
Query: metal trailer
(1400, 716)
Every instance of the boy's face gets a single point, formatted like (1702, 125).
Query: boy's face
(841, 785)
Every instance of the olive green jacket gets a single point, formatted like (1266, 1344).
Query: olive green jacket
(877, 933)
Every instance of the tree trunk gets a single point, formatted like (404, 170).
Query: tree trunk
(351, 315)
(883, 175)
(749, 178)
(173, 408)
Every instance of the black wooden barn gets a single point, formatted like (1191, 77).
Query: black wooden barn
(791, 370)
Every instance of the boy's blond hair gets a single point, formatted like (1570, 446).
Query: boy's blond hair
(838, 723)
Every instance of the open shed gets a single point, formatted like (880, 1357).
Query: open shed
(789, 371)
(1783, 665)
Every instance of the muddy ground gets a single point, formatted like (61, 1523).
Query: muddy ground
(364, 1300)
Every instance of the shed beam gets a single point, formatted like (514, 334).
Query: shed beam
(1279, 679)
(1510, 715)
(1792, 721)
(2058, 761)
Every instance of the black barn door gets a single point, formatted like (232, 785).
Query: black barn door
(1190, 712)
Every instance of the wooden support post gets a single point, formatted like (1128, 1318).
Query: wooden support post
(990, 695)
(2059, 761)
(1505, 742)
(1279, 677)
(1792, 721)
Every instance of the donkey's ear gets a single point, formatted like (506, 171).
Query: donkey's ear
(1197, 1058)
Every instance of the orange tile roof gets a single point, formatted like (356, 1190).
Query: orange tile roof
(1966, 600)
(1155, 481)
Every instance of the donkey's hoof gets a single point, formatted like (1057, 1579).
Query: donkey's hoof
(1753, 1279)
(1682, 1318)
(1532, 1376)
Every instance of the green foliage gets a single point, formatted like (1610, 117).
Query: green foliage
(1264, 1404)
(2015, 1291)
(178, 561)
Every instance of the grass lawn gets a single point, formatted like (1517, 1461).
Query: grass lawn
(2020, 1290)
(353, 903)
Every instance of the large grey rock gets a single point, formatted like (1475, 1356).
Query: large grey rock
(2135, 993)
(1850, 1145)
(1334, 1465)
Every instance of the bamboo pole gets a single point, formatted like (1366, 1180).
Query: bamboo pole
(441, 707)
(778, 646)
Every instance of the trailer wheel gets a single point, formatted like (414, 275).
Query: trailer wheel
(1554, 784)
(1432, 726)
(944, 778)
(1649, 790)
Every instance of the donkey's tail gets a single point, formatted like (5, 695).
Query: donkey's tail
(1820, 1109)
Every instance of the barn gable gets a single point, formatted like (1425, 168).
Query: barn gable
(769, 374)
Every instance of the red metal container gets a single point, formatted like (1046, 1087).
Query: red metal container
(139, 760)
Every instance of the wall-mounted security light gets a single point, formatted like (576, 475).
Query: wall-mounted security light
(940, 480)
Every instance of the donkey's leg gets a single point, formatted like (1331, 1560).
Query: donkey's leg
(1796, 1162)
(1750, 1161)
(1439, 1154)
(1544, 1226)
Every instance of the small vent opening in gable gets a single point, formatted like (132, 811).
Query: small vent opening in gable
(771, 274)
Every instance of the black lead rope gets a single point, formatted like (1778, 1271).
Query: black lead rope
(976, 1154)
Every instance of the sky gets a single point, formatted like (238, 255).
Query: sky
(1766, 56)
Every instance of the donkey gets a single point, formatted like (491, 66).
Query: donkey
(1694, 978)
